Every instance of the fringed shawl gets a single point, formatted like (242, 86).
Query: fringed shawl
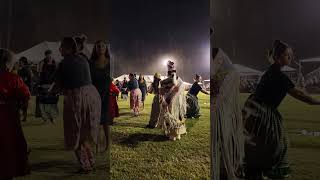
(227, 139)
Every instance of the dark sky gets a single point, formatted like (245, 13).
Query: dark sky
(253, 25)
(144, 31)
(140, 31)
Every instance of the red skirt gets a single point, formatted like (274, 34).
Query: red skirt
(114, 108)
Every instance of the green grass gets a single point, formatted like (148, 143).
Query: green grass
(48, 158)
(140, 153)
(304, 151)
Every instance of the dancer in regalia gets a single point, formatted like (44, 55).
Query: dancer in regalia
(227, 141)
(172, 105)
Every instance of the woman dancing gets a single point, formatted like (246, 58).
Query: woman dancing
(100, 74)
(13, 94)
(193, 108)
(266, 150)
(172, 105)
(82, 104)
(135, 94)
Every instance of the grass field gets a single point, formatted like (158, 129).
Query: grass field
(304, 151)
(140, 153)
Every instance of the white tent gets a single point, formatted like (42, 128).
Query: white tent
(288, 69)
(149, 79)
(36, 53)
(313, 77)
(243, 70)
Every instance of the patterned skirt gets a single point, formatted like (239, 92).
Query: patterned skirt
(135, 99)
(267, 144)
(81, 116)
(193, 107)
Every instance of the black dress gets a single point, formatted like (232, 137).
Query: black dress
(267, 149)
(101, 80)
(193, 108)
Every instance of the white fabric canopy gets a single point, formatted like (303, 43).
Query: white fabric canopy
(36, 53)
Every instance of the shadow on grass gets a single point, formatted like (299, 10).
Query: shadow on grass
(58, 165)
(191, 122)
(137, 125)
(125, 114)
(134, 139)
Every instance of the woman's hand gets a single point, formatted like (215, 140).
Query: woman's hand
(302, 96)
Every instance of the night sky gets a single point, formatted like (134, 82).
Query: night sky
(141, 32)
(251, 26)
(144, 32)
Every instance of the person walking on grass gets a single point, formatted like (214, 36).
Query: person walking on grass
(266, 148)
(100, 74)
(143, 89)
(14, 94)
(193, 108)
(82, 104)
(135, 94)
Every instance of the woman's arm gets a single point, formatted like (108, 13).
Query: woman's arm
(302, 96)
(204, 91)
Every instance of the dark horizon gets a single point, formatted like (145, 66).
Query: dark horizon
(140, 32)
(245, 30)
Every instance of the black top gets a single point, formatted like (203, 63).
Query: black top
(143, 86)
(73, 72)
(195, 89)
(47, 72)
(26, 75)
(273, 86)
(100, 78)
(133, 84)
(155, 85)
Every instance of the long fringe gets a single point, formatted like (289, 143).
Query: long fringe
(227, 142)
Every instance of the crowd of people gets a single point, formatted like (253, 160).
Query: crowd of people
(251, 141)
(90, 101)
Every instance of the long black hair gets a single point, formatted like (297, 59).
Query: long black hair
(94, 55)
(278, 48)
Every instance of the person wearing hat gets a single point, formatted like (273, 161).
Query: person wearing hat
(13, 94)
(155, 108)
(193, 108)
(172, 105)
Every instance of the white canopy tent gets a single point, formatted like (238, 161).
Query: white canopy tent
(36, 53)
(245, 71)
(249, 77)
(313, 77)
(149, 79)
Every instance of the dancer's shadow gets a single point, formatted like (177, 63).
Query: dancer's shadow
(137, 125)
(125, 113)
(134, 139)
(58, 166)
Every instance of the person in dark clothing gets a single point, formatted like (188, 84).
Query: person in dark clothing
(193, 108)
(124, 87)
(266, 148)
(48, 104)
(25, 73)
(143, 87)
(101, 79)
